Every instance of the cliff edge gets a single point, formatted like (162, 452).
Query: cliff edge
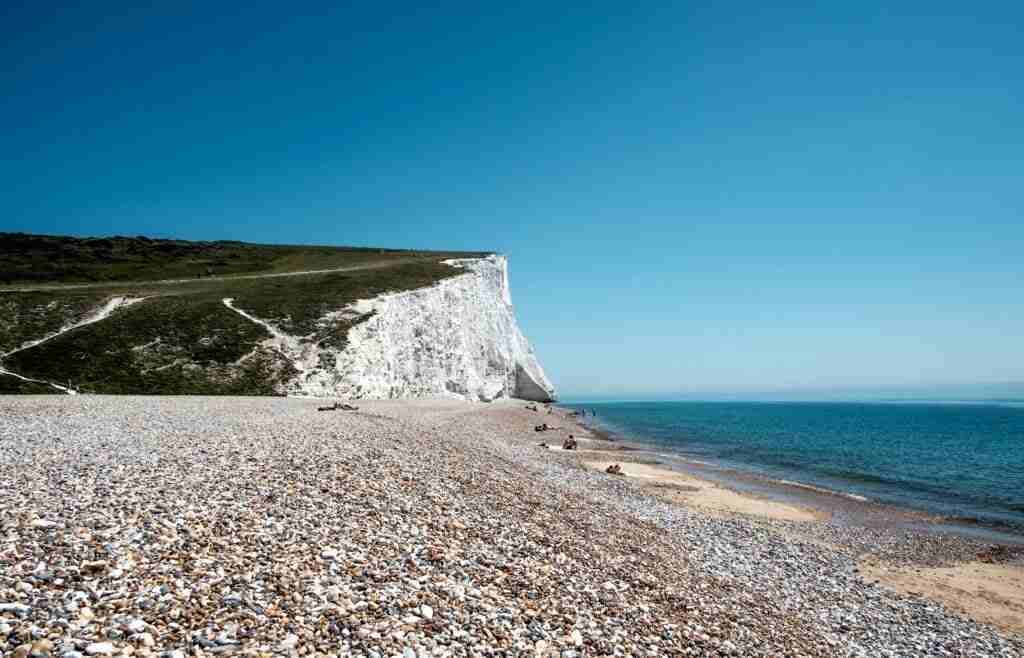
(457, 338)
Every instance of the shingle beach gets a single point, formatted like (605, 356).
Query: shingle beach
(186, 526)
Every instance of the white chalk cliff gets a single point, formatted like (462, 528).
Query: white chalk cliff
(458, 338)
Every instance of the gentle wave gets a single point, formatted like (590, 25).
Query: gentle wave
(685, 459)
(789, 483)
(830, 492)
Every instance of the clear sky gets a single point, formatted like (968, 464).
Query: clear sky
(695, 197)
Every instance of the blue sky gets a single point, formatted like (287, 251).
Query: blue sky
(695, 197)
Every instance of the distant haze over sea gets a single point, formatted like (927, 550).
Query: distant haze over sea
(1010, 392)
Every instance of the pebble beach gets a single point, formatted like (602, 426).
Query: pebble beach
(190, 526)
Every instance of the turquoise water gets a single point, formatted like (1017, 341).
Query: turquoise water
(958, 459)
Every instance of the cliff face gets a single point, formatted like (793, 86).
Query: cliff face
(233, 318)
(458, 338)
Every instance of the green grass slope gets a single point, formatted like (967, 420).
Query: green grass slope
(40, 259)
(181, 339)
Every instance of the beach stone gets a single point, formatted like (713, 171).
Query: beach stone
(18, 609)
(546, 557)
(93, 567)
(100, 648)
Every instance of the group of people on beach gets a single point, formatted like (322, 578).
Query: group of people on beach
(570, 442)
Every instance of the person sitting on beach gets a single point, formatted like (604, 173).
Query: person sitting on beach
(614, 469)
(569, 444)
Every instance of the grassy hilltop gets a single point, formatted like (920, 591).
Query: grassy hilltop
(181, 338)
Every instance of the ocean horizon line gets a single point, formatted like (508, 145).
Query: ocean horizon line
(1012, 401)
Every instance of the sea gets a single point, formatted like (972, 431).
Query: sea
(963, 460)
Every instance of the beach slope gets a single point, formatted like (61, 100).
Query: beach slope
(210, 526)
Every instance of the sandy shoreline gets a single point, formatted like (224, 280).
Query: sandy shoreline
(704, 494)
(854, 508)
(989, 593)
(259, 526)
